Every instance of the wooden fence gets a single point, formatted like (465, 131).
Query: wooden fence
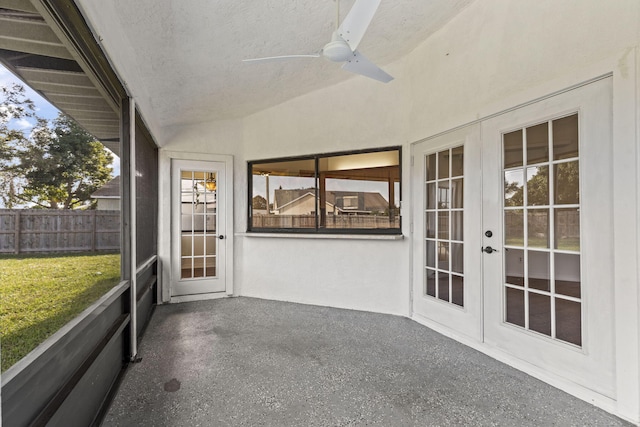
(332, 221)
(51, 230)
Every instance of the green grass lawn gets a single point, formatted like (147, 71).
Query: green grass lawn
(41, 293)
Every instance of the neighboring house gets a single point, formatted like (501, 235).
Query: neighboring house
(108, 196)
(303, 202)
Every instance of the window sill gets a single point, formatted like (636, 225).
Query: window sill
(324, 236)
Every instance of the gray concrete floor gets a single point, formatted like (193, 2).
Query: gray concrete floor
(251, 362)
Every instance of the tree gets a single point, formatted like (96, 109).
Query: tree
(14, 106)
(259, 202)
(62, 166)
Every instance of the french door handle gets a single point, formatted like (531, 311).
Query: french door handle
(489, 250)
(221, 237)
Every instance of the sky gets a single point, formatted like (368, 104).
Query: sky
(43, 109)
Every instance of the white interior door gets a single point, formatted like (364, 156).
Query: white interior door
(547, 207)
(447, 263)
(198, 244)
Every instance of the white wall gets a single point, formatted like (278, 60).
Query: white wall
(493, 56)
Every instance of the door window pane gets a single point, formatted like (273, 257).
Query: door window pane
(457, 193)
(457, 161)
(443, 164)
(514, 227)
(567, 269)
(540, 313)
(547, 275)
(514, 188)
(457, 225)
(565, 137)
(538, 186)
(568, 321)
(567, 183)
(443, 286)
(538, 228)
(457, 290)
(538, 144)
(444, 225)
(514, 306)
(513, 149)
(539, 270)
(430, 280)
(567, 229)
(514, 266)
(431, 167)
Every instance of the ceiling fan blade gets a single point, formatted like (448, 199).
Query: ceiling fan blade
(359, 64)
(281, 58)
(357, 21)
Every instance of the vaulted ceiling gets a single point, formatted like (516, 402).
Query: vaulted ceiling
(182, 60)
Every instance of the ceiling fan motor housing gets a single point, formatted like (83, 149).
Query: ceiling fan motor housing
(337, 50)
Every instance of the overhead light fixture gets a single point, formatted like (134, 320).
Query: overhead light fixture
(210, 182)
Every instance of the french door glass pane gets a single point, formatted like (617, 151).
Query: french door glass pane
(198, 223)
(443, 219)
(542, 285)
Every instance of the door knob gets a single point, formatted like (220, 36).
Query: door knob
(489, 250)
(221, 237)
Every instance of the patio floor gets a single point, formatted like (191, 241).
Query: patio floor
(252, 362)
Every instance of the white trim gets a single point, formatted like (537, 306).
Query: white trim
(199, 297)
(323, 236)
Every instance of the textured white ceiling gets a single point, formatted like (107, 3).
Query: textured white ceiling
(189, 53)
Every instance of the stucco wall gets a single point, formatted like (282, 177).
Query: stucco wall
(495, 55)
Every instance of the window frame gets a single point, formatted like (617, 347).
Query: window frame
(318, 230)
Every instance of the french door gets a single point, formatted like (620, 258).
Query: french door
(536, 235)
(198, 246)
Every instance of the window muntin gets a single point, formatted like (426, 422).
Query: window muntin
(357, 192)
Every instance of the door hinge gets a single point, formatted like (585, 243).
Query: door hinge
(411, 161)
(411, 228)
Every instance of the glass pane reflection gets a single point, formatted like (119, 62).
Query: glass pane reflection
(514, 227)
(513, 149)
(538, 186)
(514, 266)
(538, 143)
(565, 137)
(538, 228)
(568, 321)
(540, 313)
(567, 274)
(513, 188)
(567, 183)
(567, 229)
(443, 164)
(514, 306)
(539, 270)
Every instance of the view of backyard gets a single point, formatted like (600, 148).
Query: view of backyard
(39, 293)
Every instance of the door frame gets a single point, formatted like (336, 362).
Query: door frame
(164, 224)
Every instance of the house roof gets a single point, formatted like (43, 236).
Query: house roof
(373, 201)
(33, 47)
(111, 190)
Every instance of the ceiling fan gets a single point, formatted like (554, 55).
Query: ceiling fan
(344, 41)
